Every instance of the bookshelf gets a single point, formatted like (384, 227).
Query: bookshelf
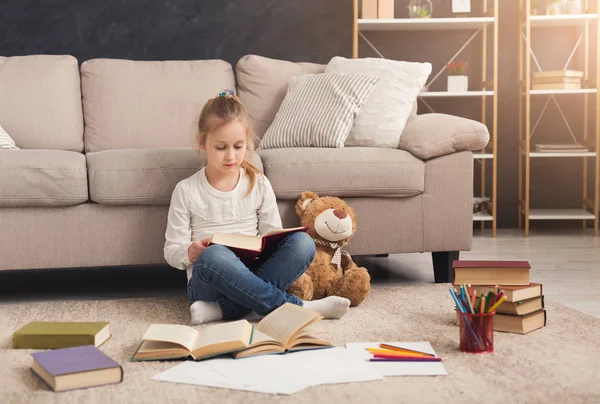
(591, 197)
(484, 25)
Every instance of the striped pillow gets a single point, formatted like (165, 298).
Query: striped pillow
(318, 110)
(6, 141)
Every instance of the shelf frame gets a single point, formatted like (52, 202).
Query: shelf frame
(489, 87)
(422, 24)
(590, 207)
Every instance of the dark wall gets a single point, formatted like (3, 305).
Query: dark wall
(310, 30)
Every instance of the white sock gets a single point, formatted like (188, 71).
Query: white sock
(205, 312)
(329, 307)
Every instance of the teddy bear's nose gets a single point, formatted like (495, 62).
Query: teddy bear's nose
(340, 214)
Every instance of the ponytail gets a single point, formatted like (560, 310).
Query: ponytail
(251, 172)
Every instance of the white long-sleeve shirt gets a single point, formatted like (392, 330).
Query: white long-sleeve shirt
(198, 210)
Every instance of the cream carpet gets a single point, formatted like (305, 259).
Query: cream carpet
(559, 363)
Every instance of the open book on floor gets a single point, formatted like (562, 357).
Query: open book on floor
(285, 329)
(172, 341)
(248, 248)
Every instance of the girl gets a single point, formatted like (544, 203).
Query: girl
(229, 194)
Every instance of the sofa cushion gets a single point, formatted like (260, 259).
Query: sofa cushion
(42, 178)
(142, 176)
(142, 105)
(382, 120)
(40, 101)
(433, 135)
(6, 142)
(318, 110)
(263, 83)
(344, 172)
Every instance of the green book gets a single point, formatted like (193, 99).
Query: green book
(53, 335)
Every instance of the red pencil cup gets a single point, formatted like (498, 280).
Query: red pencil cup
(476, 332)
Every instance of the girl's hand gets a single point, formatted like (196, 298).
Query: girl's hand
(197, 248)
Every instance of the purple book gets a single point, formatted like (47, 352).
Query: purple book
(63, 362)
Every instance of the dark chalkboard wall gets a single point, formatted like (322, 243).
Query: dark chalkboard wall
(307, 30)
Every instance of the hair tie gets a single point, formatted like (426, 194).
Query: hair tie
(225, 93)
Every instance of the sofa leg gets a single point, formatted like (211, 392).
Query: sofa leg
(442, 266)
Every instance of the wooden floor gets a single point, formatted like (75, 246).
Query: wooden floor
(566, 263)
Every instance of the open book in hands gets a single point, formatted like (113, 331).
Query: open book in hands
(284, 329)
(249, 248)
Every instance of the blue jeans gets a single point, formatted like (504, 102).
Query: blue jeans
(219, 276)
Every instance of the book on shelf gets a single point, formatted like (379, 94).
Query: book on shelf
(514, 293)
(572, 146)
(491, 272)
(520, 324)
(60, 334)
(557, 74)
(369, 9)
(560, 148)
(554, 80)
(75, 368)
(521, 307)
(556, 86)
(284, 329)
(542, 150)
(560, 145)
(249, 248)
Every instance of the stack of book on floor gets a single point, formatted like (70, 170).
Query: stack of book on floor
(71, 359)
(560, 148)
(557, 80)
(523, 309)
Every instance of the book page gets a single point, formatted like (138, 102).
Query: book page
(160, 350)
(283, 323)
(237, 240)
(178, 334)
(279, 231)
(261, 344)
(262, 338)
(240, 330)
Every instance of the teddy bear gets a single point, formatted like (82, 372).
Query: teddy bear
(331, 223)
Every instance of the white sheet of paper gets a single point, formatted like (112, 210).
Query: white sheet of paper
(400, 368)
(276, 374)
(320, 366)
(210, 373)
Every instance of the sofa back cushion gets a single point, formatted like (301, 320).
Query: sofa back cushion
(40, 101)
(263, 84)
(145, 105)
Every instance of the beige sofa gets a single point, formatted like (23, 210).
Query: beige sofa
(103, 145)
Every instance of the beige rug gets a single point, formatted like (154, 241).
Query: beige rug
(557, 364)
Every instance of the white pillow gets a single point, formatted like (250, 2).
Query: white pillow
(6, 141)
(318, 110)
(382, 120)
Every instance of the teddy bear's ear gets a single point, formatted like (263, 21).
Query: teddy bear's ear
(305, 198)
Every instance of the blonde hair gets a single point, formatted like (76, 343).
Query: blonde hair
(222, 110)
